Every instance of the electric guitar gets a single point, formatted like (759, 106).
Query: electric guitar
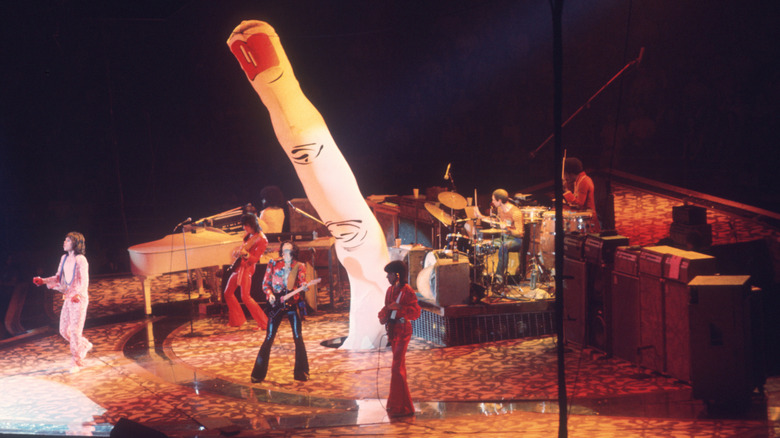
(241, 257)
(281, 304)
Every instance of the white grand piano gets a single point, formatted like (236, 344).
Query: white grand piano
(196, 247)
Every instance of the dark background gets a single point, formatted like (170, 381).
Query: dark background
(121, 119)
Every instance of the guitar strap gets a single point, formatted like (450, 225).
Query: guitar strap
(292, 276)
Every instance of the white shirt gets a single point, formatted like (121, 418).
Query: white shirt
(271, 220)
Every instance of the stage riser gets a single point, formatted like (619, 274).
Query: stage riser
(475, 329)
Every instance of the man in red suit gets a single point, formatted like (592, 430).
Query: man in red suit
(400, 309)
(246, 256)
(580, 190)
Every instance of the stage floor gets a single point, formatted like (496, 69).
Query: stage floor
(193, 380)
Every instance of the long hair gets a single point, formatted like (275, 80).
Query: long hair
(293, 253)
(273, 197)
(251, 220)
(572, 165)
(79, 246)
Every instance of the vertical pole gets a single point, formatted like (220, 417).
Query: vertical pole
(557, 12)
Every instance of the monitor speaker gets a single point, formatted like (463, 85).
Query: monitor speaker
(574, 301)
(450, 282)
(625, 318)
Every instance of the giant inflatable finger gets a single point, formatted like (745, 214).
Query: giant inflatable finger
(326, 177)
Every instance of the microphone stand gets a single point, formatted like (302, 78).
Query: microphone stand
(452, 181)
(298, 210)
(587, 104)
(192, 333)
(454, 226)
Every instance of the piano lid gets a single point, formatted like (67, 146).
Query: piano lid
(193, 237)
(204, 247)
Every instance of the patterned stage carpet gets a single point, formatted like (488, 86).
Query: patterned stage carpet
(193, 380)
(179, 383)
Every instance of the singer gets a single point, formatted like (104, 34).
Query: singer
(246, 257)
(72, 279)
(400, 309)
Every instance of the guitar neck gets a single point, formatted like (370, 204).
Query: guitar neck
(290, 294)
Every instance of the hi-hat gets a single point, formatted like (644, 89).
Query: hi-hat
(452, 200)
(492, 231)
(438, 213)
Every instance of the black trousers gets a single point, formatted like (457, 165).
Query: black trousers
(301, 371)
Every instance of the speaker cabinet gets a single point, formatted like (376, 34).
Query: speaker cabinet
(574, 301)
(689, 215)
(450, 282)
(677, 331)
(601, 249)
(388, 221)
(302, 224)
(599, 295)
(652, 348)
(721, 347)
(625, 316)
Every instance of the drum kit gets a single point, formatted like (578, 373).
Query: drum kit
(480, 247)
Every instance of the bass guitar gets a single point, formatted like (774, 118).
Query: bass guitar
(281, 304)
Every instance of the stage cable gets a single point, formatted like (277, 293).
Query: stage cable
(378, 358)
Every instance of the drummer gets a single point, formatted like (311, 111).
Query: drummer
(580, 190)
(510, 221)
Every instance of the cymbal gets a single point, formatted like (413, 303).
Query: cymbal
(522, 196)
(492, 222)
(438, 213)
(452, 200)
(492, 231)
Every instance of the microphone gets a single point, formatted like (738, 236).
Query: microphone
(185, 221)
(447, 173)
(641, 55)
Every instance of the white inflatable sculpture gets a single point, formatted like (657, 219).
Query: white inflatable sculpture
(326, 177)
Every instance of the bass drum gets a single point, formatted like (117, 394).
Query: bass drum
(425, 277)
(462, 243)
